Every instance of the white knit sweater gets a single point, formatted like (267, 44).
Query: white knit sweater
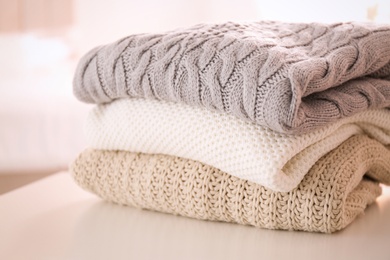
(240, 148)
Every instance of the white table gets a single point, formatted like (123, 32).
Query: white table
(55, 219)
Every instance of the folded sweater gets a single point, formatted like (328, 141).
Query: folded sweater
(235, 146)
(290, 77)
(330, 196)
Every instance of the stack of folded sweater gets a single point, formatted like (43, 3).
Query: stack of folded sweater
(270, 124)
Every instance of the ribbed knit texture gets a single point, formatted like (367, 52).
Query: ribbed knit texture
(291, 77)
(235, 146)
(330, 196)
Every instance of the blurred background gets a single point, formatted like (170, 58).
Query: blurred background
(41, 124)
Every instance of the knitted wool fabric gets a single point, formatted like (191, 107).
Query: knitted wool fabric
(235, 146)
(330, 196)
(291, 77)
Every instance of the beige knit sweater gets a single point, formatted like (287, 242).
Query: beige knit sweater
(290, 77)
(330, 196)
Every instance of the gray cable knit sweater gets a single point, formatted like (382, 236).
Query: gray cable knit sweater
(290, 77)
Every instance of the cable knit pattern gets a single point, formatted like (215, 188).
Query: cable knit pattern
(237, 147)
(290, 77)
(330, 196)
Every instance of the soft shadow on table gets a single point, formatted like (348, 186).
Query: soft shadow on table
(109, 231)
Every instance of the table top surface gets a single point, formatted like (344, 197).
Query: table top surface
(55, 219)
